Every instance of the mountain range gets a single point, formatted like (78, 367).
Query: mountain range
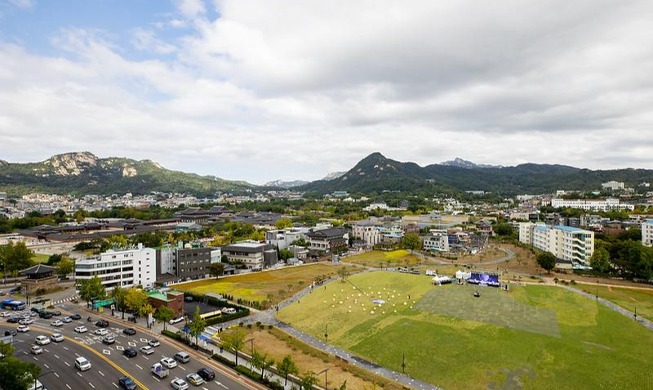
(82, 173)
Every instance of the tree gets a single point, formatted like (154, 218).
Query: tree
(285, 254)
(308, 380)
(91, 288)
(343, 272)
(216, 269)
(54, 259)
(135, 298)
(283, 223)
(16, 256)
(600, 261)
(412, 241)
(546, 260)
(145, 311)
(233, 341)
(198, 325)
(164, 314)
(287, 367)
(503, 229)
(65, 266)
(119, 295)
(16, 374)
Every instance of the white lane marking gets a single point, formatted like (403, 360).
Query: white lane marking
(56, 356)
(67, 364)
(220, 384)
(181, 367)
(68, 386)
(46, 366)
(114, 385)
(66, 348)
(91, 384)
(157, 379)
(46, 350)
(138, 366)
(101, 373)
(146, 358)
(57, 375)
(80, 374)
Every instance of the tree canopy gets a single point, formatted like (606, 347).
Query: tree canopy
(546, 260)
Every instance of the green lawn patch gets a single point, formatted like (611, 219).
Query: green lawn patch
(628, 298)
(40, 258)
(532, 337)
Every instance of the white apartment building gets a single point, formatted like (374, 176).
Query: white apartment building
(282, 238)
(613, 185)
(437, 240)
(125, 268)
(647, 232)
(368, 232)
(568, 243)
(606, 204)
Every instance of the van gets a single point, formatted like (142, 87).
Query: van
(82, 364)
(182, 357)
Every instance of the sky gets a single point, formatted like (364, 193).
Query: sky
(259, 90)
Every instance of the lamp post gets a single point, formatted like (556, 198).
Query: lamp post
(326, 333)
(403, 362)
(251, 341)
(326, 381)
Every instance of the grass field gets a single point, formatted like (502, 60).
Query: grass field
(628, 298)
(533, 337)
(40, 258)
(271, 286)
(382, 259)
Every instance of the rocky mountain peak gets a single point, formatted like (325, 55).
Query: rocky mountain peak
(71, 164)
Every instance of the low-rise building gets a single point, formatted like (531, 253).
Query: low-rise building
(125, 268)
(328, 240)
(252, 254)
(647, 232)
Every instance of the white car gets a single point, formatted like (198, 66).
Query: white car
(176, 320)
(154, 343)
(56, 323)
(66, 320)
(5, 314)
(147, 350)
(22, 328)
(26, 321)
(179, 384)
(194, 379)
(81, 329)
(42, 340)
(56, 337)
(101, 332)
(36, 349)
(82, 364)
(168, 362)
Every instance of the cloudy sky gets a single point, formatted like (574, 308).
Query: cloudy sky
(259, 90)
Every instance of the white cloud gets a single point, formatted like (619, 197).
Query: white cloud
(295, 89)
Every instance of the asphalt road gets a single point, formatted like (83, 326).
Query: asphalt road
(108, 362)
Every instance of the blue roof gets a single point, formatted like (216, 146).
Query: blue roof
(567, 228)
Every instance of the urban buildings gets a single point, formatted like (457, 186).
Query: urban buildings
(565, 242)
(125, 268)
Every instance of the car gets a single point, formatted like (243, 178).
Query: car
(5, 314)
(153, 343)
(26, 321)
(147, 350)
(36, 349)
(176, 320)
(182, 357)
(82, 364)
(66, 320)
(75, 316)
(46, 315)
(168, 362)
(56, 337)
(42, 340)
(101, 332)
(56, 313)
(188, 298)
(102, 323)
(129, 331)
(10, 332)
(126, 383)
(33, 314)
(206, 374)
(81, 329)
(179, 384)
(22, 328)
(13, 320)
(130, 352)
(56, 323)
(194, 379)
(109, 339)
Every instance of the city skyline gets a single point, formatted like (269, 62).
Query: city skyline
(291, 90)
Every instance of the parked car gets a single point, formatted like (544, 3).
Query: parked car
(206, 374)
(147, 350)
(76, 316)
(168, 362)
(129, 331)
(179, 384)
(36, 349)
(42, 340)
(82, 364)
(130, 352)
(56, 337)
(153, 343)
(56, 323)
(194, 379)
(102, 323)
(81, 329)
(126, 383)
(22, 328)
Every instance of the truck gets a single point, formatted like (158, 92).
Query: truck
(160, 371)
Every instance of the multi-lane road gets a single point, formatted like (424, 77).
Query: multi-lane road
(108, 363)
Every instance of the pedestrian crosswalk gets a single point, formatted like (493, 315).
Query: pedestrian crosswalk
(63, 300)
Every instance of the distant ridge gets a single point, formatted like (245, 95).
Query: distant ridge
(460, 163)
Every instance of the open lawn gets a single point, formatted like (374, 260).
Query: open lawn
(381, 259)
(271, 286)
(40, 258)
(628, 298)
(532, 337)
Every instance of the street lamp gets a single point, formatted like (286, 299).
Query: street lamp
(326, 381)
(251, 364)
(403, 362)
(326, 333)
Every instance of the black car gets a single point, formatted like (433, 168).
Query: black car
(126, 383)
(129, 331)
(206, 374)
(13, 320)
(102, 324)
(130, 352)
(11, 332)
(46, 315)
(75, 317)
